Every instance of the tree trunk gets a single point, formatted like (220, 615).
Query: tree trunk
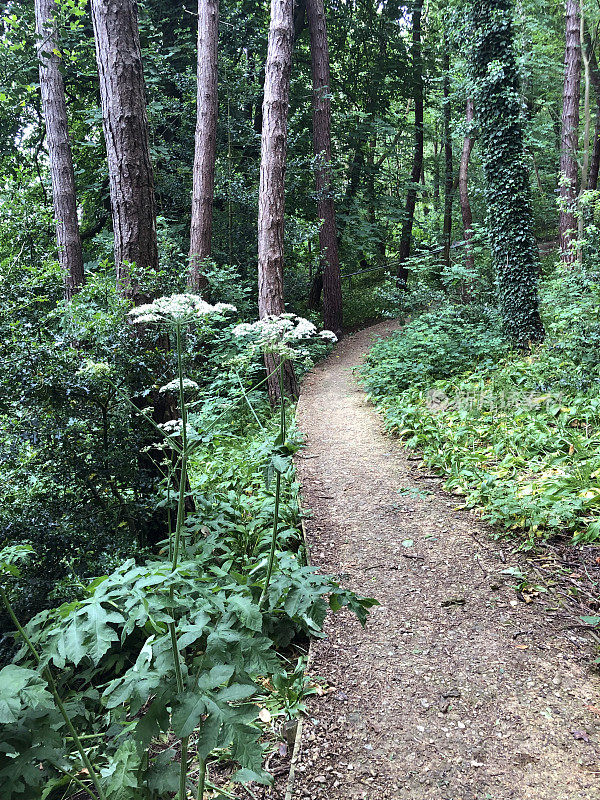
(319, 51)
(495, 79)
(271, 194)
(595, 157)
(206, 142)
(567, 223)
(411, 197)
(448, 166)
(59, 149)
(463, 189)
(595, 80)
(126, 132)
(436, 171)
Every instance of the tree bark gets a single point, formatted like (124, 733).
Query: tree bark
(59, 149)
(463, 189)
(271, 193)
(567, 223)
(448, 165)
(595, 157)
(206, 142)
(330, 262)
(595, 80)
(411, 197)
(126, 132)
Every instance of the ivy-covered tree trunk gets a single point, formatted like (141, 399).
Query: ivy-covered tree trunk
(415, 175)
(319, 50)
(463, 184)
(271, 193)
(206, 142)
(59, 149)
(567, 223)
(494, 72)
(125, 120)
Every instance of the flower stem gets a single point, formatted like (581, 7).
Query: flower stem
(201, 778)
(277, 494)
(183, 768)
(52, 686)
(177, 547)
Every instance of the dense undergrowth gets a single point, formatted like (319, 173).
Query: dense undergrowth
(516, 434)
(200, 602)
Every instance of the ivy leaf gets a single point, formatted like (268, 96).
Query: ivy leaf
(594, 621)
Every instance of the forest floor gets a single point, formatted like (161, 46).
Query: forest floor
(456, 689)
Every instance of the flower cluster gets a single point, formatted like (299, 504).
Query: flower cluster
(173, 386)
(281, 335)
(177, 309)
(95, 369)
(172, 427)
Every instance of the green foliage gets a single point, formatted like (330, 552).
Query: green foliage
(495, 76)
(173, 645)
(437, 344)
(517, 436)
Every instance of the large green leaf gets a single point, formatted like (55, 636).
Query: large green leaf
(21, 688)
(190, 708)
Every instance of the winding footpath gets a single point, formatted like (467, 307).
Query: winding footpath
(455, 690)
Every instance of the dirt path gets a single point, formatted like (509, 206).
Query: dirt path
(456, 690)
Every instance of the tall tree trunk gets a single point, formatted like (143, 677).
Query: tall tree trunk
(319, 52)
(206, 141)
(587, 121)
(126, 132)
(436, 170)
(271, 193)
(595, 157)
(595, 80)
(567, 223)
(411, 197)
(448, 166)
(59, 149)
(463, 188)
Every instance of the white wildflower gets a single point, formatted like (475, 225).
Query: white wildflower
(329, 336)
(177, 308)
(95, 369)
(281, 335)
(173, 386)
(172, 427)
